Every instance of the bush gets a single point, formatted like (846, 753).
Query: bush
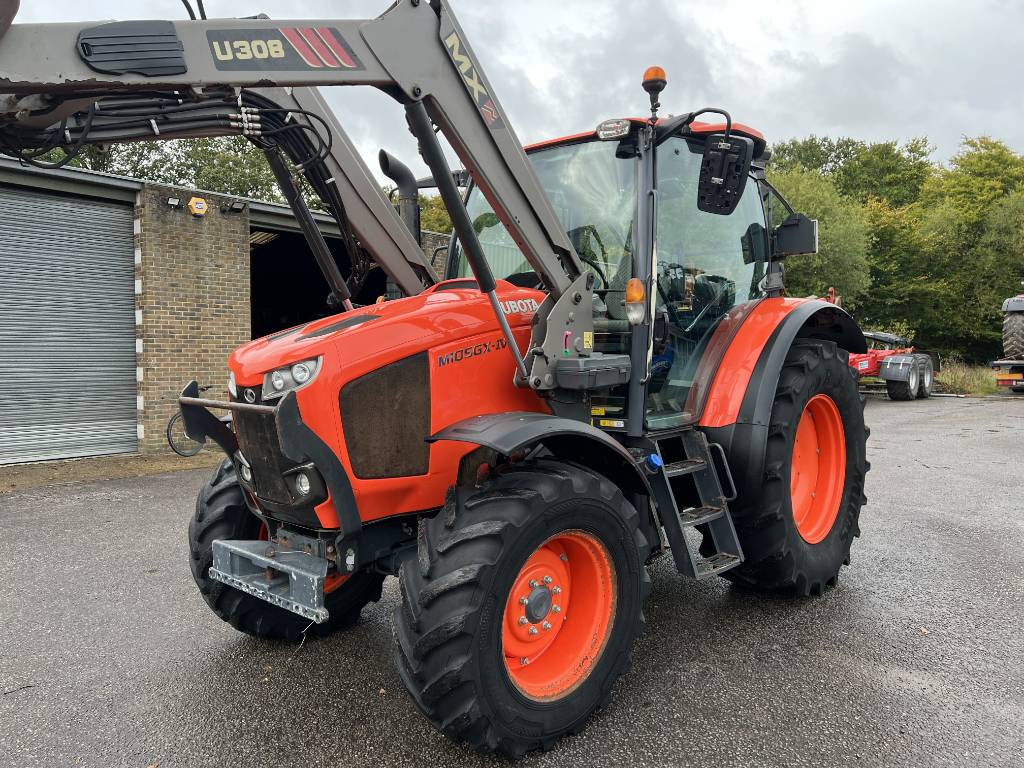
(961, 378)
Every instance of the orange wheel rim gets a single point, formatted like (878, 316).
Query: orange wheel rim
(818, 468)
(559, 615)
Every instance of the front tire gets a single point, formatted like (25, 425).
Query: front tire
(480, 644)
(221, 513)
(796, 530)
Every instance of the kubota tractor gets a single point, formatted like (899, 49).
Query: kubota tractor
(610, 371)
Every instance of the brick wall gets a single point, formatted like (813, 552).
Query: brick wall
(429, 241)
(194, 301)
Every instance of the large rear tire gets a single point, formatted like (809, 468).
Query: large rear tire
(482, 641)
(221, 513)
(796, 530)
(1013, 335)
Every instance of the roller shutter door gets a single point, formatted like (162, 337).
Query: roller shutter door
(67, 327)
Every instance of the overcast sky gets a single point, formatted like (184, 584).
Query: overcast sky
(868, 69)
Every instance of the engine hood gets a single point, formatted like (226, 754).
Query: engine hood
(445, 312)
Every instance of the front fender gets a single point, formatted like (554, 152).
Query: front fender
(508, 433)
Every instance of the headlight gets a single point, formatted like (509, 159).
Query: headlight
(232, 386)
(279, 382)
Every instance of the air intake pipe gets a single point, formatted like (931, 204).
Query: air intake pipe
(408, 191)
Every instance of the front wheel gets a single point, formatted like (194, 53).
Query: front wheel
(797, 528)
(522, 607)
(221, 513)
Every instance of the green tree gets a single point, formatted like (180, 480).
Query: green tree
(841, 261)
(433, 214)
(886, 169)
(815, 153)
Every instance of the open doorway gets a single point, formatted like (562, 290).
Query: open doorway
(286, 285)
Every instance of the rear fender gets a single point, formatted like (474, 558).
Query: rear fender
(743, 432)
(509, 433)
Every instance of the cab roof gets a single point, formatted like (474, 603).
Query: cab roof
(696, 127)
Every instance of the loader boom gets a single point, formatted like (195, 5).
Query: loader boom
(70, 84)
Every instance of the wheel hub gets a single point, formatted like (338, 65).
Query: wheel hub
(538, 604)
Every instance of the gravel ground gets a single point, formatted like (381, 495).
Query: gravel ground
(110, 658)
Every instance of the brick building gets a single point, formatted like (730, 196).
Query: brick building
(113, 295)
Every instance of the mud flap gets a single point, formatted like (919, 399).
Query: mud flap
(290, 580)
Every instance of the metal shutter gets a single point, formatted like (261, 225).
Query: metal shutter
(67, 327)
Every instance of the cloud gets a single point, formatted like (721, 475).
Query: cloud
(874, 69)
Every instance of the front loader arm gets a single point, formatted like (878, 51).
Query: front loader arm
(415, 52)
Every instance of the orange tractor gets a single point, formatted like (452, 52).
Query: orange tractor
(609, 372)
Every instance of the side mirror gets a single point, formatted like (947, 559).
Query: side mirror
(723, 173)
(796, 235)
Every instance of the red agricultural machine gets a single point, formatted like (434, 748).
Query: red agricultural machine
(609, 373)
(907, 373)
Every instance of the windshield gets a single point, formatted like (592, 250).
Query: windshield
(706, 263)
(591, 191)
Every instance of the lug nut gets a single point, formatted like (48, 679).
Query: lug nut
(546, 626)
(523, 620)
(533, 583)
(548, 579)
(556, 590)
(524, 600)
(564, 558)
(533, 630)
(556, 609)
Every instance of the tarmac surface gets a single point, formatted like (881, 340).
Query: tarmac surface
(109, 657)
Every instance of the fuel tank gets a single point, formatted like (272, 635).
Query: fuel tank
(386, 377)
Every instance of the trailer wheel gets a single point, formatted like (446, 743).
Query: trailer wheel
(521, 609)
(905, 390)
(796, 530)
(926, 376)
(221, 513)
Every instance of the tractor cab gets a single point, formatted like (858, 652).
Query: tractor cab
(706, 264)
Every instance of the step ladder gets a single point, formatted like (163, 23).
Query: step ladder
(690, 456)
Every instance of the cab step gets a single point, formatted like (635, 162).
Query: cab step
(693, 472)
(700, 515)
(685, 467)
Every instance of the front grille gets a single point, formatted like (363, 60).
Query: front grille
(257, 439)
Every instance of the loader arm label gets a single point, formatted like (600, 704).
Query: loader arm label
(471, 77)
(285, 49)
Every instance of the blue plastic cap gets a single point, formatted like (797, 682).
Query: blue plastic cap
(654, 462)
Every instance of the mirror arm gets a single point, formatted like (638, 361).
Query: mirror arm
(676, 124)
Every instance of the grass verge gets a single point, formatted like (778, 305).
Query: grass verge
(961, 378)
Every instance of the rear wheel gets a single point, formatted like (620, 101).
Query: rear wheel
(521, 610)
(926, 376)
(905, 390)
(796, 530)
(221, 513)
